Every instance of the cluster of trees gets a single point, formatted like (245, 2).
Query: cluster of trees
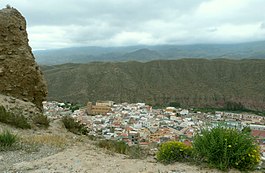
(234, 106)
(71, 106)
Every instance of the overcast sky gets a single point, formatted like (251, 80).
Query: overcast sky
(67, 23)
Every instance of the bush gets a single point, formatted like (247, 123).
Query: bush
(20, 122)
(41, 121)
(14, 120)
(7, 139)
(8, 6)
(137, 152)
(73, 126)
(174, 104)
(225, 148)
(173, 151)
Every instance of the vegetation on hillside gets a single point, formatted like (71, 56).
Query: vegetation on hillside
(21, 121)
(73, 126)
(225, 148)
(7, 140)
(199, 83)
(173, 151)
(220, 147)
(41, 121)
(14, 120)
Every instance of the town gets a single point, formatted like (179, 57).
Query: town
(140, 124)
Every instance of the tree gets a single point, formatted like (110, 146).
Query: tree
(233, 106)
(174, 104)
(246, 130)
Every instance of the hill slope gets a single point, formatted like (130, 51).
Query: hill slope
(78, 154)
(192, 82)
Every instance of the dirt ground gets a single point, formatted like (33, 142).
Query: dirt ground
(81, 156)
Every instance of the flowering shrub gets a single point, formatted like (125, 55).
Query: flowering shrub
(248, 160)
(173, 151)
(225, 148)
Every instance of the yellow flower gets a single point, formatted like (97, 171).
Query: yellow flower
(229, 146)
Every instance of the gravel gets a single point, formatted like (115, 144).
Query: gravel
(26, 154)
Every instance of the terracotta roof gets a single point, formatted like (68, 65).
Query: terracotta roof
(258, 133)
(144, 143)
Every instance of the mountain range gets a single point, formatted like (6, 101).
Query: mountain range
(144, 53)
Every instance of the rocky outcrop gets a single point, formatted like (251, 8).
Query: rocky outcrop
(20, 75)
(19, 107)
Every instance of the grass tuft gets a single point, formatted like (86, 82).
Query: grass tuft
(41, 121)
(44, 139)
(14, 120)
(7, 140)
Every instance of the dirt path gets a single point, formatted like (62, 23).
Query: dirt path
(87, 158)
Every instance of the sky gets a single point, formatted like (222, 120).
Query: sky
(72, 23)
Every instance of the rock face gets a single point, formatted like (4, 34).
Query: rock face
(20, 75)
(19, 107)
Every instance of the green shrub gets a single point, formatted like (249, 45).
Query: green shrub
(225, 148)
(4, 115)
(20, 122)
(73, 126)
(173, 151)
(137, 152)
(41, 121)
(14, 120)
(7, 139)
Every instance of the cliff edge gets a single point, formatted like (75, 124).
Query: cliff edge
(20, 76)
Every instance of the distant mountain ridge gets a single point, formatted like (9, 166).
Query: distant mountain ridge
(143, 53)
(190, 82)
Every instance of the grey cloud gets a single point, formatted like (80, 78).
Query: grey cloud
(212, 29)
(262, 25)
(65, 12)
(64, 23)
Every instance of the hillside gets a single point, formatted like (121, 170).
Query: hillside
(146, 53)
(57, 150)
(190, 82)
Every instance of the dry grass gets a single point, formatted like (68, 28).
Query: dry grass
(45, 139)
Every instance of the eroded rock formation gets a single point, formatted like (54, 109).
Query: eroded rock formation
(20, 76)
